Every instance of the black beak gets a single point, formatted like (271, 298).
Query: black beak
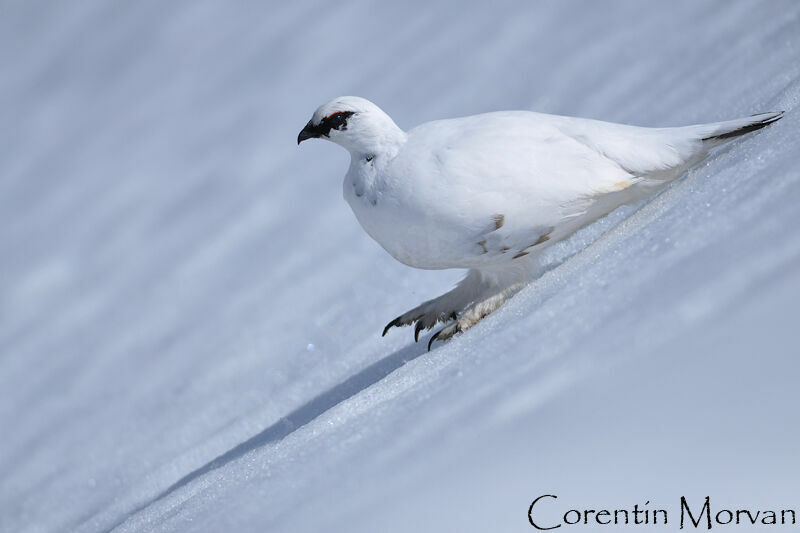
(309, 132)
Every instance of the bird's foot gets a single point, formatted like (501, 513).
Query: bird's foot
(465, 305)
(444, 308)
(471, 316)
(425, 316)
(445, 333)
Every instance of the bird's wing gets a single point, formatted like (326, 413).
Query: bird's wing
(464, 175)
(642, 152)
(476, 190)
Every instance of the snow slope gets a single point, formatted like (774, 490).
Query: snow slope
(190, 316)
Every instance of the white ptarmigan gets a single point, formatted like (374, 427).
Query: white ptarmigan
(488, 192)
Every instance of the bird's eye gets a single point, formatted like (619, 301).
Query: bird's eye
(336, 120)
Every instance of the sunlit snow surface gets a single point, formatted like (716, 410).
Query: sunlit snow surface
(190, 316)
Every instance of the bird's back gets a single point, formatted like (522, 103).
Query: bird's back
(541, 176)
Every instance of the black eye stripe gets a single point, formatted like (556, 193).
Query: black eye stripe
(334, 121)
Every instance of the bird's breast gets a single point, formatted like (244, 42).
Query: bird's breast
(398, 224)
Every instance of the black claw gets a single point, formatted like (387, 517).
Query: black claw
(394, 322)
(433, 338)
(436, 335)
(417, 329)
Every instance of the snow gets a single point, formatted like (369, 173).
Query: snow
(170, 255)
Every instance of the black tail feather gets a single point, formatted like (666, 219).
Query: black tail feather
(746, 129)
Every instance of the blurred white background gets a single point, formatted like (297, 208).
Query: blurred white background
(170, 256)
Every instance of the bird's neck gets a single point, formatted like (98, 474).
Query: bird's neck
(373, 151)
(383, 141)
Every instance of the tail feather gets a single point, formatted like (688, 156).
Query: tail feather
(723, 131)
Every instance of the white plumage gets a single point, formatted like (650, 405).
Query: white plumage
(489, 192)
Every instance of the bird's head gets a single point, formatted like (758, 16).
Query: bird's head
(354, 123)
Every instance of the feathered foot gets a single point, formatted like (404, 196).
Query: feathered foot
(471, 316)
(443, 308)
(473, 298)
(426, 316)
